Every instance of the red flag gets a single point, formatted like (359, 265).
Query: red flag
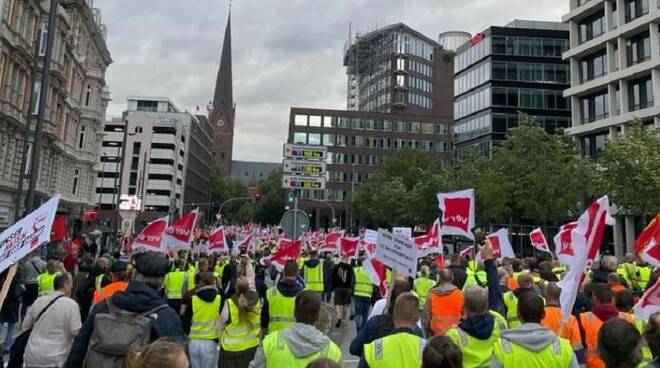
(538, 240)
(440, 261)
(290, 252)
(73, 245)
(499, 240)
(377, 272)
(649, 303)
(467, 252)
(431, 242)
(348, 247)
(331, 242)
(58, 230)
(217, 241)
(152, 235)
(457, 212)
(647, 246)
(90, 215)
(178, 234)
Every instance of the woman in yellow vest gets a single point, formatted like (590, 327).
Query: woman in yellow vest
(240, 321)
(422, 285)
(203, 309)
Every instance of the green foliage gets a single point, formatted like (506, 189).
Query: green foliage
(629, 171)
(270, 206)
(223, 189)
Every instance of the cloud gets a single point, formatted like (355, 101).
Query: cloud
(285, 52)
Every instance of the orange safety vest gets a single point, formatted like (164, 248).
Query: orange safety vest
(512, 283)
(571, 331)
(591, 325)
(617, 287)
(445, 311)
(108, 290)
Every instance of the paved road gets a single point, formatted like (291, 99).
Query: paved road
(343, 336)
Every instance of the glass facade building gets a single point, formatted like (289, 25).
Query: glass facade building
(504, 71)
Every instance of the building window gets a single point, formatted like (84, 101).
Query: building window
(636, 8)
(300, 138)
(147, 106)
(300, 120)
(136, 148)
(595, 107)
(592, 26)
(440, 128)
(315, 121)
(329, 121)
(328, 139)
(76, 176)
(88, 95)
(81, 137)
(640, 93)
(594, 145)
(314, 139)
(593, 66)
(638, 48)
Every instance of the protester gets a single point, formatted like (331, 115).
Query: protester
(323, 363)
(652, 337)
(441, 352)
(141, 299)
(615, 282)
(458, 269)
(607, 265)
(525, 285)
(31, 269)
(401, 348)
(624, 301)
(300, 344)
(277, 312)
(423, 284)
(10, 309)
(118, 281)
(240, 322)
(158, 354)
(312, 271)
(554, 321)
(328, 265)
(629, 271)
(46, 280)
(52, 335)
(619, 344)
(200, 313)
(102, 273)
(444, 305)
(531, 344)
(362, 294)
(343, 279)
(176, 284)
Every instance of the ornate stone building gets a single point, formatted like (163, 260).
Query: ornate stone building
(75, 107)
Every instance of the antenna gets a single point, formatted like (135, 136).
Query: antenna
(230, 5)
(350, 36)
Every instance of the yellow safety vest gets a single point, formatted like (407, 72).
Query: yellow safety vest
(421, 286)
(631, 274)
(280, 310)
(559, 354)
(301, 262)
(399, 350)
(204, 319)
(511, 302)
(191, 277)
(476, 353)
(471, 280)
(314, 277)
(644, 276)
(279, 355)
(239, 336)
(46, 283)
(363, 285)
(98, 282)
(219, 269)
(174, 284)
(647, 357)
(500, 321)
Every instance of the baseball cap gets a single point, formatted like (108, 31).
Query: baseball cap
(152, 264)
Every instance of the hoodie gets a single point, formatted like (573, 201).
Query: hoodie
(137, 298)
(480, 327)
(288, 288)
(207, 294)
(532, 337)
(303, 340)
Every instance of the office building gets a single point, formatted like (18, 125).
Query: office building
(506, 70)
(614, 56)
(166, 159)
(250, 173)
(74, 114)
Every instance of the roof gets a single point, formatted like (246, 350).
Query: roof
(373, 34)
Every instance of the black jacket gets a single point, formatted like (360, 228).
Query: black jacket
(460, 275)
(137, 298)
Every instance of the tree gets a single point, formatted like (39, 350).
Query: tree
(222, 189)
(270, 206)
(629, 171)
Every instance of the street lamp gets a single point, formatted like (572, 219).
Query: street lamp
(115, 214)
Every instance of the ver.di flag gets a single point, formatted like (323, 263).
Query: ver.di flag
(648, 304)
(499, 240)
(348, 247)
(27, 234)
(538, 240)
(431, 242)
(217, 241)
(178, 234)
(647, 246)
(578, 243)
(457, 212)
(151, 237)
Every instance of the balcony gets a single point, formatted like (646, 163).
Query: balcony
(161, 169)
(164, 154)
(163, 138)
(157, 200)
(106, 182)
(113, 136)
(159, 185)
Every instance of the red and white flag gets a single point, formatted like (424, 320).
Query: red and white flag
(499, 240)
(538, 240)
(377, 272)
(217, 241)
(648, 304)
(457, 212)
(578, 243)
(286, 252)
(331, 242)
(178, 234)
(247, 243)
(467, 252)
(348, 247)
(431, 242)
(647, 246)
(150, 238)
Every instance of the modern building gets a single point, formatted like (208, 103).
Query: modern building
(75, 111)
(223, 109)
(452, 40)
(400, 71)
(251, 173)
(503, 71)
(358, 141)
(615, 77)
(166, 159)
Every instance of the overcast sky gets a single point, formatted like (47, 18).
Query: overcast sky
(286, 52)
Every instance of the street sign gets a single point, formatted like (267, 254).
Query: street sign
(396, 252)
(304, 167)
(303, 182)
(305, 152)
(294, 223)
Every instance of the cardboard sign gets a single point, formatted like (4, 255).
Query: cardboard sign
(396, 252)
(404, 232)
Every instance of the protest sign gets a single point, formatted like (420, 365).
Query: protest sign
(396, 252)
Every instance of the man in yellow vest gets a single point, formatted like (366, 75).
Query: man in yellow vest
(422, 285)
(277, 313)
(645, 272)
(530, 344)
(204, 311)
(176, 284)
(478, 331)
(102, 273)
(402, 348)
(313, 273)
(629, 271)
(46, 280)
(362, 293)
(525, 285)
(301, 344)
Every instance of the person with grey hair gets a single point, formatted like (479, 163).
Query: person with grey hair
(478, 331)
(141, 297)
(608, 265)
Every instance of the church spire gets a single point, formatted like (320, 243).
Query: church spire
(223, 98)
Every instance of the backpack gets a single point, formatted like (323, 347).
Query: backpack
(116, 334)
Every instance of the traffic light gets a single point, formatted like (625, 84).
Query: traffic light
(292, 197)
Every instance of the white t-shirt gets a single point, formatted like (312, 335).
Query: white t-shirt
(379, 308)
(51, 339)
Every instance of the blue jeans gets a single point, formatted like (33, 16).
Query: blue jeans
(362, 306)
(9, 339)
(203, 353)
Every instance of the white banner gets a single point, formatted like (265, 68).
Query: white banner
(404, 232)
(26, 235)
(396, 252)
